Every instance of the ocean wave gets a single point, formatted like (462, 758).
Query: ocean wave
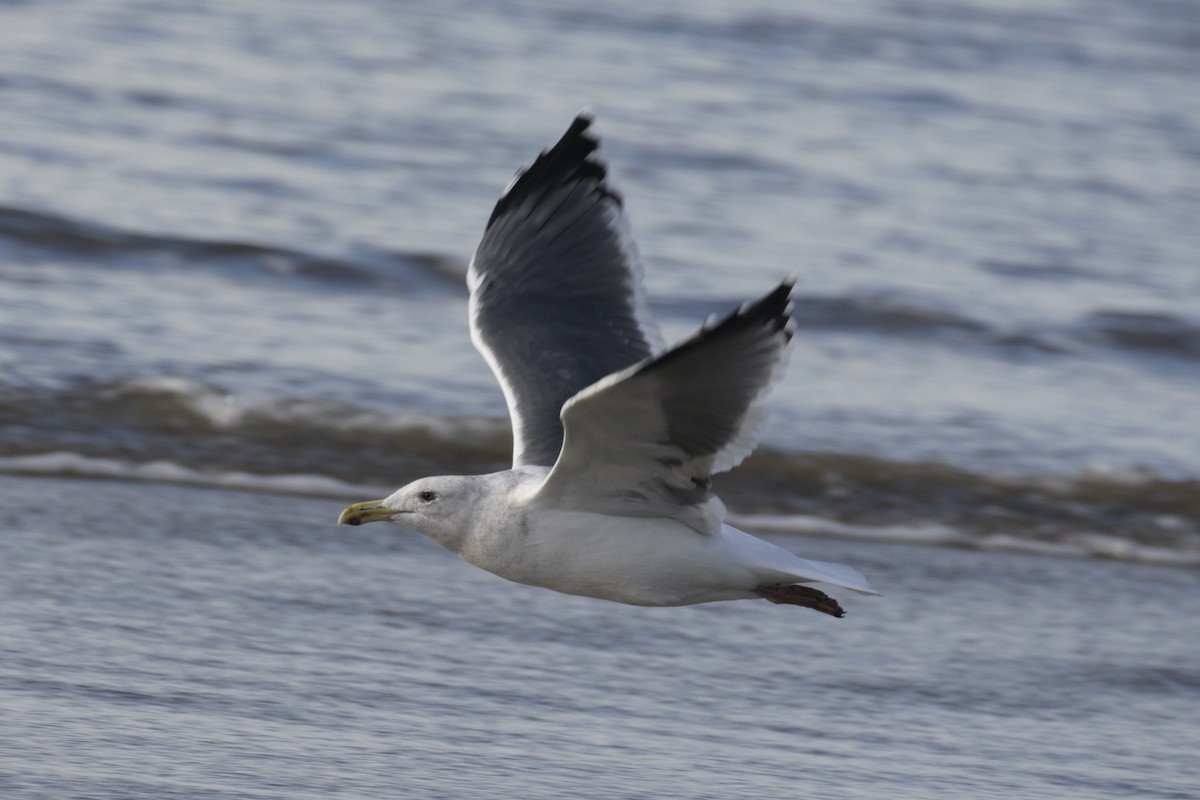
(201, 425)
(181, 430)
(915, 316)
(1143, 331)
(76, 465)
(1080, 543)
(889, 312)
(70, 239)
(172, 399)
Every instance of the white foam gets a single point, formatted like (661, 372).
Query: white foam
(66, 464)
(1082, 544)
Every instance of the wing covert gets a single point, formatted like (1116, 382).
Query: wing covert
(645, 441)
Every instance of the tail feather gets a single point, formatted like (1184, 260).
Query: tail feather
(836, 574)
(774, 565)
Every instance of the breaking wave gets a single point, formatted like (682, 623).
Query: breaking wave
(178, 430)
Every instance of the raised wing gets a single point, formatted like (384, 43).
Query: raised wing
(643, 442)
(556, 291)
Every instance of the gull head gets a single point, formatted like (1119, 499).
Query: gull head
(440, 507)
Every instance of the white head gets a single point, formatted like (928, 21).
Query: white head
(440, 507)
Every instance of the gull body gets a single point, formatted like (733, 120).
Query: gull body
(496, 523)
(615, 437)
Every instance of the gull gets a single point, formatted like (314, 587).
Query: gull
(615, 437)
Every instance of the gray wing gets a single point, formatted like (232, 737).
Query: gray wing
(643, 442)
(556, 291)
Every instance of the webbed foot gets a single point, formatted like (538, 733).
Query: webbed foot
(793, 595)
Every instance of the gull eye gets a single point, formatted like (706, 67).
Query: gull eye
(427, 496)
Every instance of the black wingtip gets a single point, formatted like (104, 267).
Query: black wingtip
(774, 309)
(579, 125)
(570, 159)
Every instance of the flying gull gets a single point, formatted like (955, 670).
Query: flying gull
(615, 437)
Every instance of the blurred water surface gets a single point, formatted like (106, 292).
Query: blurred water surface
(179, 642)
(232, 241)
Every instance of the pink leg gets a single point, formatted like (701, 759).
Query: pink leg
(801, 596)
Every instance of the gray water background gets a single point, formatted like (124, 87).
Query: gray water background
(191, 643)
(232, 238)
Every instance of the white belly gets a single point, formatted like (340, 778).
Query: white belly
(640, 561)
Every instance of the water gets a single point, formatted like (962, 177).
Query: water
(231, 246)
(218, 644)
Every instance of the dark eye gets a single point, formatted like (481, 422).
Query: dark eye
(427, 496)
